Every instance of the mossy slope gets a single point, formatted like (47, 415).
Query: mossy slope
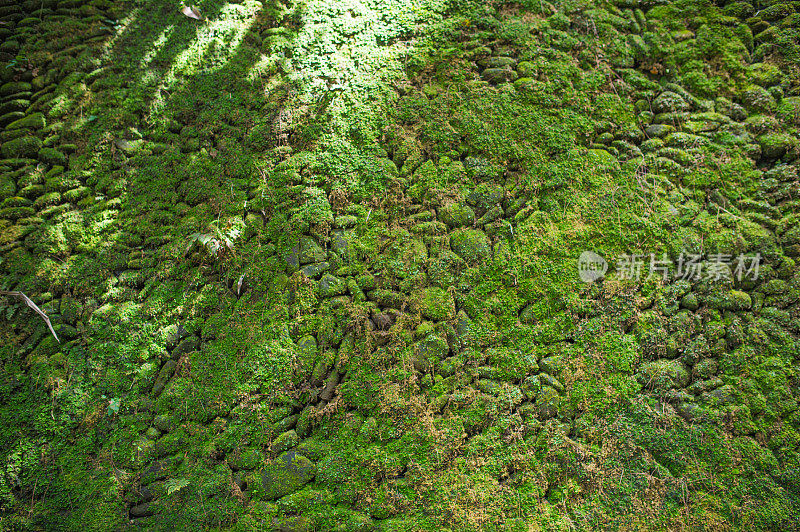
(314, 265)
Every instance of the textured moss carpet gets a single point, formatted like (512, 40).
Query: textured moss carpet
(323, 265)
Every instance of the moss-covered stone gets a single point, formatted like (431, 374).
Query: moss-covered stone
(310, 251)
(498, 62)
(246, 459)
(669, 102)
(7, 187)
(14, 87)
(775, 146)
(163, 377)
(15, 213)
(33, 121)
(330, 286)
(789, 110)
(22, 147)
(285, 441)
(471, 245)
(436, 304)
(52, 157)
(485, 195)
(663, 374)
(286, 474)
(732, 300)
(499, 75)
(547, 403)
(457, 215)
(758, 99)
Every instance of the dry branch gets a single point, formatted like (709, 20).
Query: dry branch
(31, 304)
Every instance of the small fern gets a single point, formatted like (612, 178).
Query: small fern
(218, 242)
(174, 485)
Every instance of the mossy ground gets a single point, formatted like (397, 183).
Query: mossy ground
(313, 265)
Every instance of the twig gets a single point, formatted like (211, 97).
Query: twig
(31, 304)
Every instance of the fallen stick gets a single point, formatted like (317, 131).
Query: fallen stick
(31, 304)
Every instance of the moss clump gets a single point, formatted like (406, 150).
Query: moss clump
(285, 441)
(310, 251)
(789, 110)
(7, 187)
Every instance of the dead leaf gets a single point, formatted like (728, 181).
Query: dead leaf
(192, 12)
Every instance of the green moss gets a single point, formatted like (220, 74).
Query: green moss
(789, 110)
(292, 120)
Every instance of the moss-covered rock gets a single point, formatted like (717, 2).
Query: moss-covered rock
(163, 377)
(728, 108)
(52, 157)
(436, 304)
(732, 300)
(14, 87)
(472, 245)
(7, 187)
(330, 286)
(286, 474)
(485, 195)
(547, 403)
(310, 251)
(777, 11)
(659, 130)
(498, 62)
(285, 441)
(789, 110)
(457, 215)
(663, 374)
(33, 121)
(246, 459)
(429, 352)
(757, 99)
(22, 147)
(670, 102)
(499, 75)
(775, 146)
(15, 213)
